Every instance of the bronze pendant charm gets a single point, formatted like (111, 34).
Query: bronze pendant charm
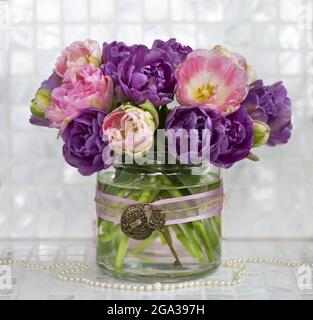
(139, 221)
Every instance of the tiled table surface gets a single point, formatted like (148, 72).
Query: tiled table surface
(262, 282)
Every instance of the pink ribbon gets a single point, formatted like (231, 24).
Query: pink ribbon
(198, 206)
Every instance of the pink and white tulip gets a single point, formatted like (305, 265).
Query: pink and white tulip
(129, 130)
(88, 88)
(213, 79)
(240, 61)
(79, 53)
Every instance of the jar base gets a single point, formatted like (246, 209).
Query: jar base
(158, 272)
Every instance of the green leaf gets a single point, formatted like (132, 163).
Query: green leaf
(163, 113)
(148, 106)
(126, 177)
(188, 180)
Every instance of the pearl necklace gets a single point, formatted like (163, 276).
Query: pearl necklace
(66, 272)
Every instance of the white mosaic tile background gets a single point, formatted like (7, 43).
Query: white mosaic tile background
(40, 196)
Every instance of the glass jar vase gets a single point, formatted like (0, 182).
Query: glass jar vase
(159, 222)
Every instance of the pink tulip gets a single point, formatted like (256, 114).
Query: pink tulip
(79, 53)
(129, 130)
(212, 79)
(239, 60)
(88, 88)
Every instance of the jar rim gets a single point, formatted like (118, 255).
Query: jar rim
(157, 160)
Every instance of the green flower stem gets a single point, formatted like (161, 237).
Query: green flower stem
(191, 243)
(209, 231)
(145, 196)
(144, 259)
(212, 236)
(165, 234)
(121, 193)
(121, 252)
(215, 232)
(109, 231)
(202, 234)
(111, 190)
(175, 193)
(193, 239)
(144, 244)
(154, 195)
(148, 196)
(163, 241)
(217, 220)
(184, 240)
(208, 237)
(134, 195)
(199, 238)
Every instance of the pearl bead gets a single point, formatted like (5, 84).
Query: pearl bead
(68, 274)
(157, 286)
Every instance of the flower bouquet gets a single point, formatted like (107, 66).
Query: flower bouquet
(157, 125)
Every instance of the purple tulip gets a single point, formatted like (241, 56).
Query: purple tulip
(228, 141)
(147, 75)
(186, 125)
(84, 142)
(270, 104)
(238, 140)
(112, 54)
(175, 50)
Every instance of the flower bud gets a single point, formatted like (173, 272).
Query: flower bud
(261, 133)
(40, 103)
(129, 129)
